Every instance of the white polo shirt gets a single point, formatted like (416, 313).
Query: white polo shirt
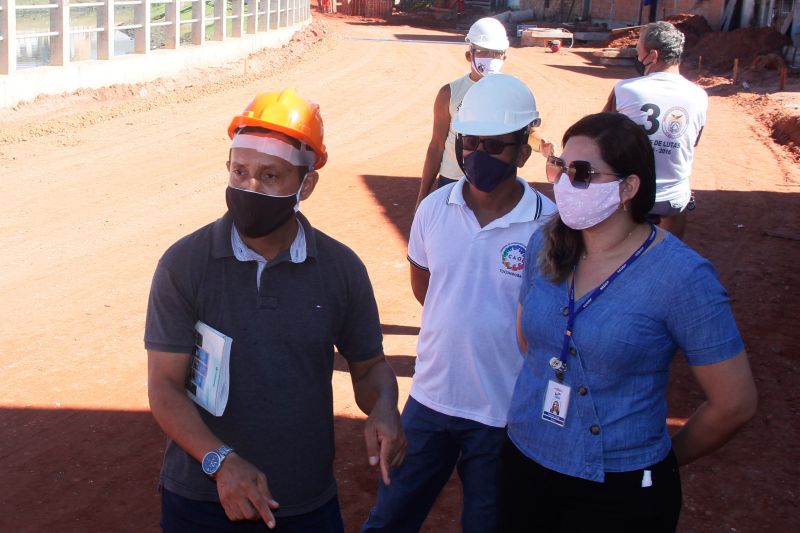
(467, 354)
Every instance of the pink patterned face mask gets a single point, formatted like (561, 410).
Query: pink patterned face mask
(584, 208)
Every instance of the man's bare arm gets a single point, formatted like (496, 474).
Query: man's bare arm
(375, 389)
(419, 282)
(242, 488)
(433, 157)
(611, 103)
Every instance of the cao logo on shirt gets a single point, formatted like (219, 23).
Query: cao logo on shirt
(513, 258)
(675, 122)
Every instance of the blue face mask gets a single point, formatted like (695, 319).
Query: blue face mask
(485, 172)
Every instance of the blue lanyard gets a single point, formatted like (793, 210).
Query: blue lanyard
(560, 364)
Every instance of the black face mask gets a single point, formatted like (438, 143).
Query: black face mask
(485, 172)
(482, 170)
(256, 214)
(639, 66)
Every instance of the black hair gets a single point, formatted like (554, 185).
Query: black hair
(626, 148)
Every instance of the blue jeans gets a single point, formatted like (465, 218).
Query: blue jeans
(182, 515)
(436, 444)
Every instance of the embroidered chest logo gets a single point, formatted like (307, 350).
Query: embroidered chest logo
(512, 257)
(676, 120)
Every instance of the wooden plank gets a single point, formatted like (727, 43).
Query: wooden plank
(591, 36)
(548, 33)
(614, 61)
(614, 53)
(625, 29)
(528, 39)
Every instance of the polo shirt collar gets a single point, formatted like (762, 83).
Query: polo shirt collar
(524, 211)
(295, 254)
(221, 236)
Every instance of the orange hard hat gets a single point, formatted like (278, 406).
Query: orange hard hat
(285, 112)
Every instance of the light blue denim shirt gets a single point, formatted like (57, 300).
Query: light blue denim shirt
(620, 354)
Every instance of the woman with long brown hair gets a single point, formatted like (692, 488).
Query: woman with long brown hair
(607, 300)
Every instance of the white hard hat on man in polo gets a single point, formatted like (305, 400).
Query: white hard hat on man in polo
(496, 105)
(493, 125)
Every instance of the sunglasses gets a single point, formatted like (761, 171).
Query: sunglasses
(490, 146)
(484, 52)
(579, 172)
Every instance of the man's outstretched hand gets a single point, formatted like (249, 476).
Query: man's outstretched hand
(243, 491)
(386, 442)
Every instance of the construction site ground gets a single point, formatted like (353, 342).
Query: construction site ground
(96, 185)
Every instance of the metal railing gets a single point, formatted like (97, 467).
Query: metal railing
(184, 21)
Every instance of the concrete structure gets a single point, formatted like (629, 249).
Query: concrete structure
(256, 24)
(617, 13)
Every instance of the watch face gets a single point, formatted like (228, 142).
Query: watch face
(211, 462)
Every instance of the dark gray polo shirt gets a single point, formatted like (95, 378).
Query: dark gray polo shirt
(280, 407)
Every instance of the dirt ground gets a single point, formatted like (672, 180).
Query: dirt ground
(95, 186)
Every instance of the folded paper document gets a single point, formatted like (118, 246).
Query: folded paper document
(207, 381)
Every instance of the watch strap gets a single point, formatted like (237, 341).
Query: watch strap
(222, 452)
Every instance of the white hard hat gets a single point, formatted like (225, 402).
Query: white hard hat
(488, 33)
(495, 105)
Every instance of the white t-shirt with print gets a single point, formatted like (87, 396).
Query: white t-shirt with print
(672, 110)
(467, 353)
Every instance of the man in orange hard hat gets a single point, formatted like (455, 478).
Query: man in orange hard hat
(280, 295)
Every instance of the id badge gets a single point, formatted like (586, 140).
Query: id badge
(556, 403)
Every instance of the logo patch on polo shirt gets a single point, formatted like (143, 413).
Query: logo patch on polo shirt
(512, 258)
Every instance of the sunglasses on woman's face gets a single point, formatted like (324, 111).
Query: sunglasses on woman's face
(490, 146)
(579, 172)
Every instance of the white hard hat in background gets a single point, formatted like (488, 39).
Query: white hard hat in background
(495, 105)
(488, 33)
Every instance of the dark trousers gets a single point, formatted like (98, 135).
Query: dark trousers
(441, 181)
(182, 515)
(437, 443)
(533, 498)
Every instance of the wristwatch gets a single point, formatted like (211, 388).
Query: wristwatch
(212, 461)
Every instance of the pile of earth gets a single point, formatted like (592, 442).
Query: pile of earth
(786, 131)
(783, 123)
(758, 49)
(692, 26)
(749, 45)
